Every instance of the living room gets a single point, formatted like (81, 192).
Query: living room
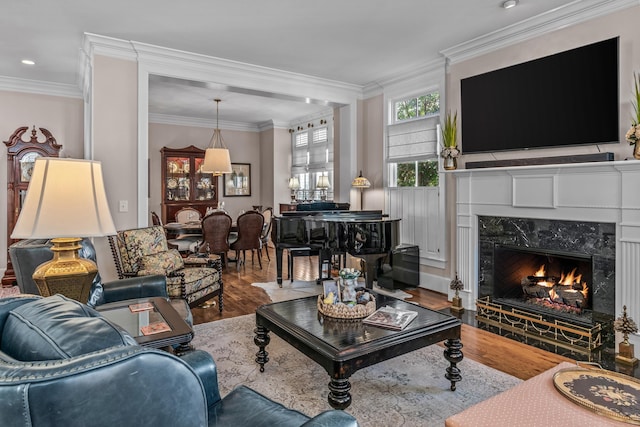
(112, 123)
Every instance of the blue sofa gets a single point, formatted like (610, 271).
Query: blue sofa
(63, 364)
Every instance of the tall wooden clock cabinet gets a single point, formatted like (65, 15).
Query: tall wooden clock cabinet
(21, 156)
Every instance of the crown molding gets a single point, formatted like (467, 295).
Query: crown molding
(188, 65)
(421, 74)
(14, 84)
(167, 119)
(564, 16)
(270, 124)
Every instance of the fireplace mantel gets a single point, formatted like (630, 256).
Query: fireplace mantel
(595, 192)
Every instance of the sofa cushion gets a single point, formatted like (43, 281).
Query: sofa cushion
(167, 262)
(246, 407)
(57, 327)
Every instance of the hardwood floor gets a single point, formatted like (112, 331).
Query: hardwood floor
(517, 359)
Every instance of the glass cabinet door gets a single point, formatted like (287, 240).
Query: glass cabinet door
(178, 185)
(204, 189)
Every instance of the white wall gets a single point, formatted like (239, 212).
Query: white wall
(623, 24)
(62, 116)
(114, 139)
(244, 147)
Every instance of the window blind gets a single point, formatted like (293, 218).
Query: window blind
(417, 139)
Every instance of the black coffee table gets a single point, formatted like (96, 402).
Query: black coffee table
(342, 347)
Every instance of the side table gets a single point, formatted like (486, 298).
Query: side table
(160, 312)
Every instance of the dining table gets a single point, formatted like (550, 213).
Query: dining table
(194, 227)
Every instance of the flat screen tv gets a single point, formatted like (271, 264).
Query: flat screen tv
(569, 98)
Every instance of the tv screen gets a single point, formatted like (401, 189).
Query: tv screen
(568, 98)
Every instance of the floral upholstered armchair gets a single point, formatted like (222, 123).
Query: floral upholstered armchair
(144, 252)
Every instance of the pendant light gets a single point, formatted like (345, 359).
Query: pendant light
(216, 158)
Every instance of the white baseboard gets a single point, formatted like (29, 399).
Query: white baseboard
(434, 283)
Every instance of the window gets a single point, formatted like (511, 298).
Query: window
(421, 106)
(415, 174)
(414, 191)
(302, 139)
(312, 150)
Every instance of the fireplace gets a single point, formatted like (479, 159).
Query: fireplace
(557, 284)
(590, 208)
(559, 273)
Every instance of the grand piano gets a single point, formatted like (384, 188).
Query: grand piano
(368, 235)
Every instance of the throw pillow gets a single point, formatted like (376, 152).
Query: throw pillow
(168, 261)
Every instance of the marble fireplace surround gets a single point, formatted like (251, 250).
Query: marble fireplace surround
(606, 192)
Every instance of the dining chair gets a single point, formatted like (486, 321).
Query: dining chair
(215, 234)
(249, 226)
(267, 213)
(187, 214)
(184, 243)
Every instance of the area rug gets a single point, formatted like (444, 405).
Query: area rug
(409, 390)
(301, 288)
(9, 291)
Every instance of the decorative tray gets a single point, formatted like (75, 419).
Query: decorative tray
(344, 311)
(607, 393)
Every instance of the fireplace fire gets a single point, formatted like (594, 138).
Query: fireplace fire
(567, 293)
(550, 282)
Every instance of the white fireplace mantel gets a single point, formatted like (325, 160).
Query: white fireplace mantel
(595, 192)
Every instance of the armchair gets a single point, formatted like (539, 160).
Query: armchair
(27, 255)
(63, 364)
(144, 252)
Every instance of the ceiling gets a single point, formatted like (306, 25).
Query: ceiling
(358, 42)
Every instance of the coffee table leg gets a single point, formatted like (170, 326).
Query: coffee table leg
(262, 340)
(454, 355)
(339, 396)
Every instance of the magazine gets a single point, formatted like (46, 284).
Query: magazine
(143, 306)
(154, 328)
(390, 318)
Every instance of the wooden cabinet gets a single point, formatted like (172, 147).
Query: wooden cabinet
(21, 156)
(287, 207)
(183, 182)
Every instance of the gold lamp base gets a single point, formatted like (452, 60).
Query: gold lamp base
(625, 354)
(66, 273)
(456, 304)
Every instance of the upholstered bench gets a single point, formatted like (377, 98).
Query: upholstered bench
(532, 403)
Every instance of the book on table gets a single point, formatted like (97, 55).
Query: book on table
(390, 318)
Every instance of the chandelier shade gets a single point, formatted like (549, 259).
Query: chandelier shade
(217, 160)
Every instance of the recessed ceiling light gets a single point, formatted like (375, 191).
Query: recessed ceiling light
(509, 4)
(28, 62)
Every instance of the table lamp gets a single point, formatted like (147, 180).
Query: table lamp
(294, 185)
(361, 183)
(65, 199)
(323, 184)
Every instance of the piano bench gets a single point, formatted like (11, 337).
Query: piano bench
(295, 252)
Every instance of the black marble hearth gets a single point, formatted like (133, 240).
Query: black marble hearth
(586, 240)
(595, 240)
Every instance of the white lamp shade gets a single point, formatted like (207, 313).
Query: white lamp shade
(323, 182)
(216, 161)
(65, 198)
(294, 183)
